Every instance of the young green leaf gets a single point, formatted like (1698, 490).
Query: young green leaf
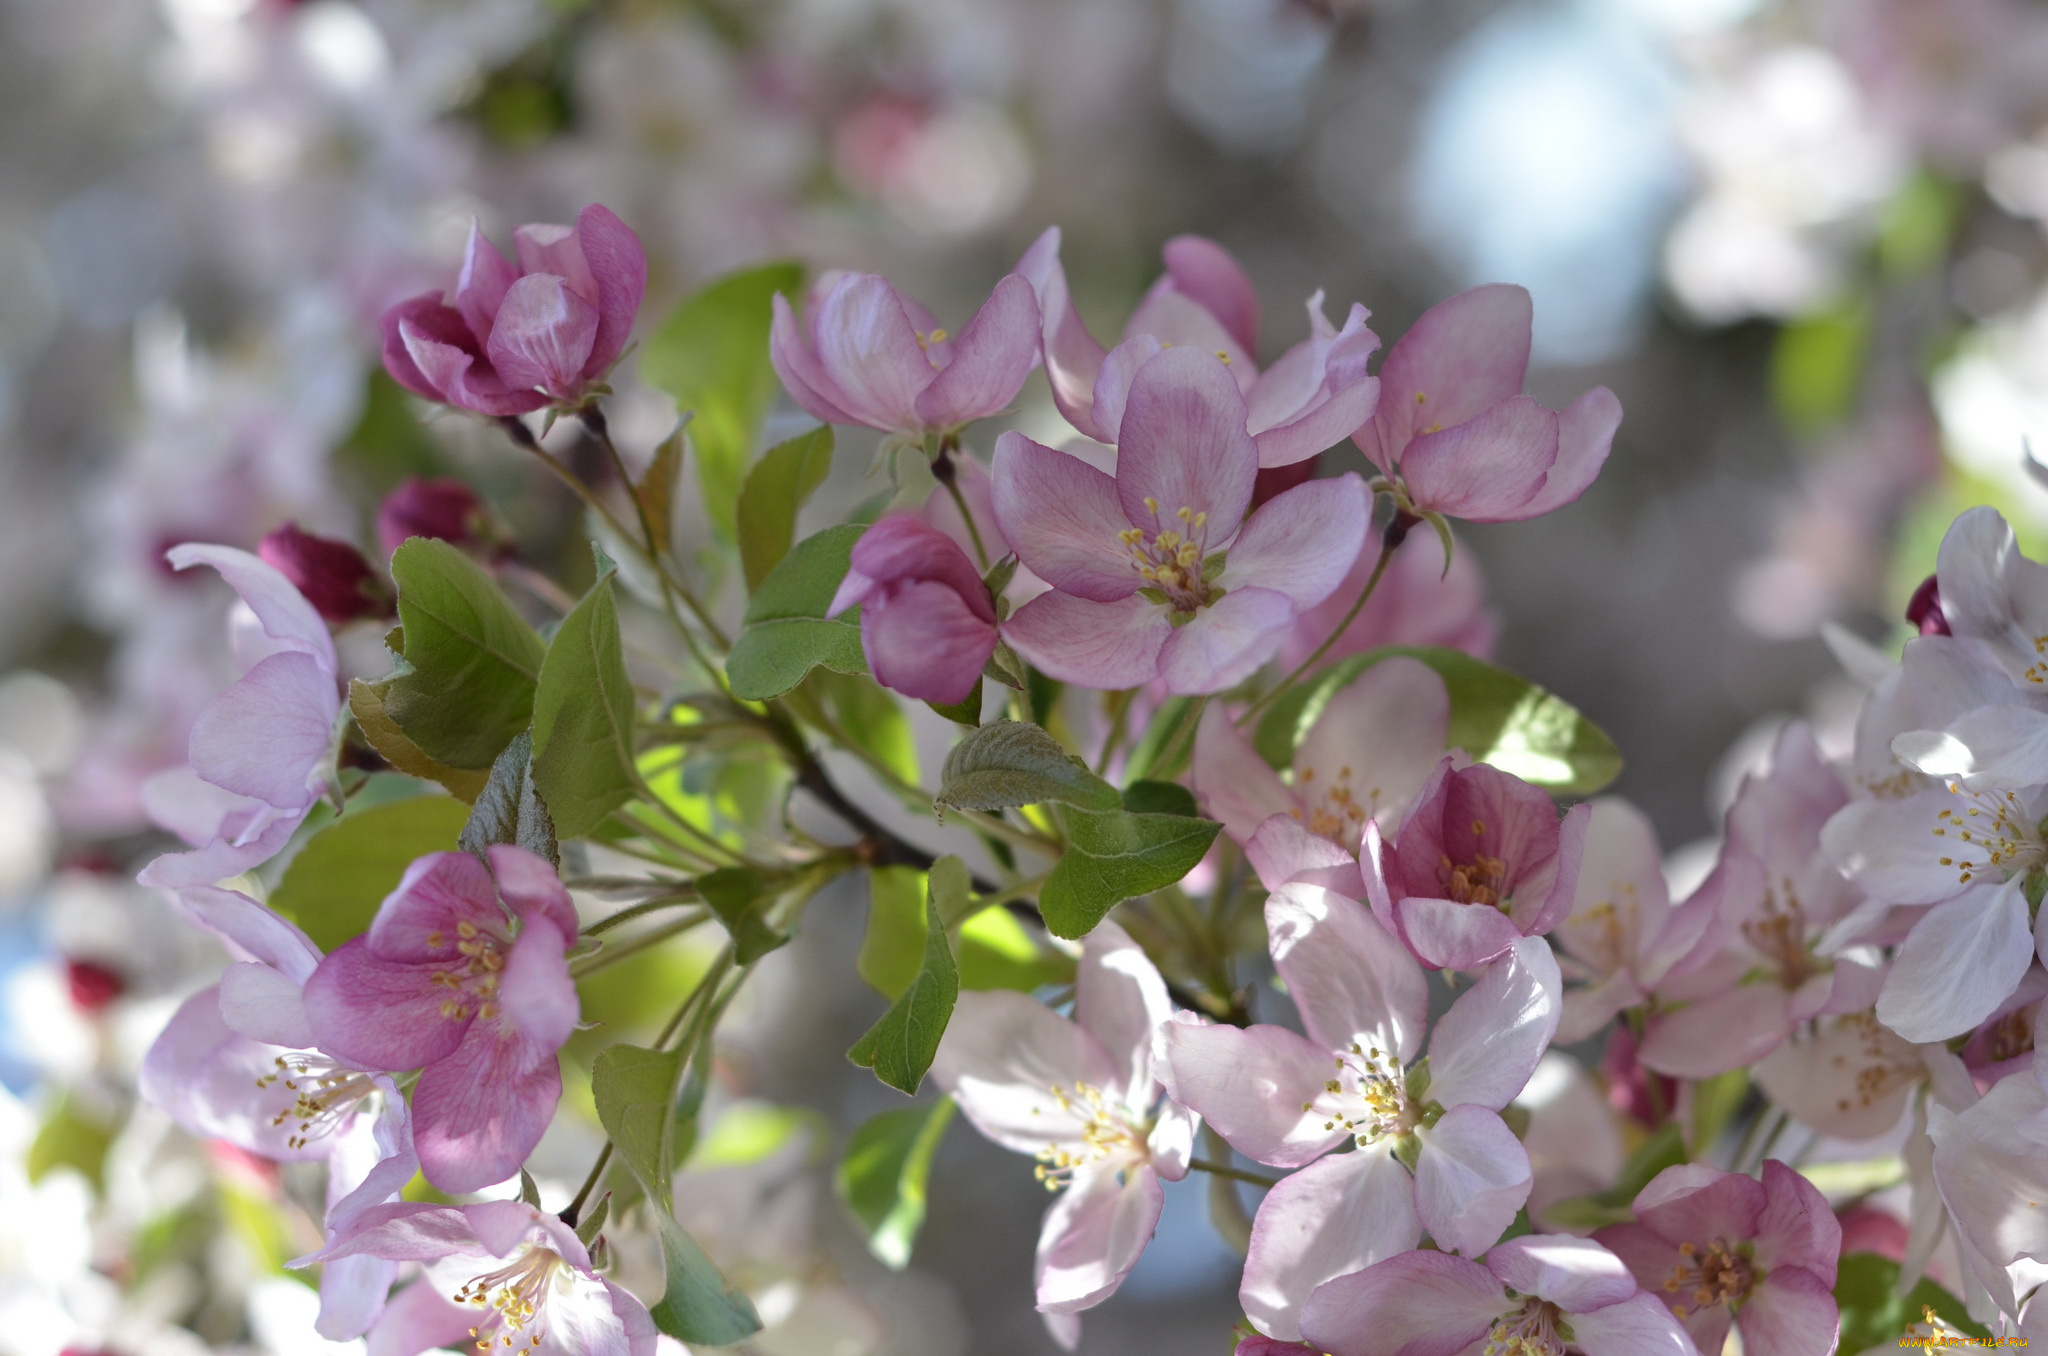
(776, 488)
(1114, 855)
(465, 684)
(899, 1047)
(884, 1172)
(1496, 717)
(711, 354)
(698, 1306)
(366, 703)
(998, 952)
(1165, 748)
(1160, 798)
(892, 948)
(786, 634)
(740, 897)
(1012, 762)
(656, 490)
(511, 810)
(583, 718)
(333, 886)
(634, 1089)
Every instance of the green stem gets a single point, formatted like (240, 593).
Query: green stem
(640, 910)
(575, 1210)
(1119, 723)
(1234, 1174)
(613, 955)
(1357, 606)
(1185, 735)
(951, 480)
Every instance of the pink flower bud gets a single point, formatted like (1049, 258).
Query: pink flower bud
(443, 509)
(332, 575)
(926, 623)
(1923, 610)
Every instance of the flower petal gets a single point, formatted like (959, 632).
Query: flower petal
(1120, 1000)
(443, 898)
(535, 990)
(379, 1014)
(1585, 434)
(418, 1318)
(205, 1076)
(1210, 275)
(1063, 518)
(1640, 1326)
(1001, 1057)
(1981, 934)
(924, 641)
(803, 376)
(1489, 469)
(1798, 1227)
(281, 610)
(1250, 1085)
(1413, 1304)
(267, 735)
(251, 930)
(543, 336)
(1177, 320)
(1351, 981)
(1093, 1236)
(1447, 935)
(263, 1005)
(1726, 1031)
(1282, 852)
(618, 268)
(991, 358)
(1575, 1274)
(1073, 358)
(865, 339)
(424, 315)
(1100, 645)
(1485, 1048)
(1380, 738)
(1302, 542)
(478, 1112)
(1334, 1218)
(1233, 783)
(1182, 445)
(904, 547)
(1226, 642)
(1464, 355)
(1472, 1177)
(1113, 384)
(531, 886)
(481, 286)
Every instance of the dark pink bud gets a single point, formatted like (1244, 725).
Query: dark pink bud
(1273, 481)
(443, 509)
(1629, 1084)
(1868, 1229)
(1923, 611)
(93, 986)
(926, 623)
(332, 575)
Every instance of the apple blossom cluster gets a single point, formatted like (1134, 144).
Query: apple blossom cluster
(1243, 860)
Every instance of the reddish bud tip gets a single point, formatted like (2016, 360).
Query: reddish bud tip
(1924, 609)
(1277, 480)
(332, 575)
(93, 986)
(443, 509)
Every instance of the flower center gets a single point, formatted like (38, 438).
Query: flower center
(512, 1298)
(1480, 879)
(1172, 559)
(1601, 934)
(1990, 832)
(1331, 809)
(2007, 1038)
(323, 1093)
(472, 981)
(1368, 1097)
(1885, 1062)
(1106, 1133)
(1778, 935)
(1716, 1274)
(1536, 1329)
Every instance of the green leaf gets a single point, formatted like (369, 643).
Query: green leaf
(583, 718)
(711, 354)
(1113, 856)
(740, 896)
(1496, 716)
(1165, 732)
(1012, 762)
(1160, 798)
(892, 949)
(634, 1089)
(786, 634)
(776, 488)
(967, 712)
(388, 442)
(899, 1047)
(511, 810)
(366, 703)
(699, 1306)
(465, 683)
(1875, 1314)
(883, 1175)
(657, 488)
(998, 952)
(70, 1138)
(872, 717)
(333, 886)
(1817, 365)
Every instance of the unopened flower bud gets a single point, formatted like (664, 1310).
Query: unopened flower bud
(1923, 611)
(93, 986)
(443, 509)
(927, 625)
(331, 574)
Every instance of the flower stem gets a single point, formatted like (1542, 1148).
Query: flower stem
(1258, 1179)
(1392, 542)
(592, 964)
(640, 910)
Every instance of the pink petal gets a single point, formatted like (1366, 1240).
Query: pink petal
(1382, 736)
(1250, 1086)
(478, 1112)
(1351, 981)
(461, 376)
(1001, 1057)
(427, 317)
(1447, 935)
(281, 610)
(1302, 542)
(352, 1295)
(380, 1015)
(1210, 275)
(1093, 1236)
(1072, 356)
(1733, 1028)
(1792, 1312)
(1982, 933)
(1100, 645)
(422, 919)
(1233, 783)
(543, 335)
(1120, 1000)
(1535, 912)
(803, 376)
(1183, 445)
(1485, 1048)
(1472, 1177)
(1798, 1227)
(263, 1005)
(267, 735)
(251, 930)
(1585, 434)
(481, 286)
(535, 990)
(991, 358)
(903, 547)
(1639, 1326)
(1282, 852)
(204, 1075)
(1063, 518)
(618, 268)
(1695, 1202)
(925, 642)
(220, 859)
(1177, 320)
(531, 886)
(1334, 1218)
(865, 340)
(406, 1231)
(1487, 469)
(419, 1318)
(1576, 1274)
(1323, 425)
(1413, 1304)
(549, 249)
(1113, 385)
(1226, 642)
(1466, 354)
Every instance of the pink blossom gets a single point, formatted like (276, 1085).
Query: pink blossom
(446, 510)
(1365, 757)
(1542, 1293)
(1419, 601)
(1084, 1098)
(331, 575)
(1316, 393)
(1157, 572)
(463, 977)
(927, 624)
(515, 338)
(1481, 862)
(1722, 1248)
(1990, 1164)
(1455, 432)
(1611, 935)
(866, 354)
(1364, 1005)
(259, 751)
(520, 1279)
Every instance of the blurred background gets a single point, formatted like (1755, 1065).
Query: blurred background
(1801, 239)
